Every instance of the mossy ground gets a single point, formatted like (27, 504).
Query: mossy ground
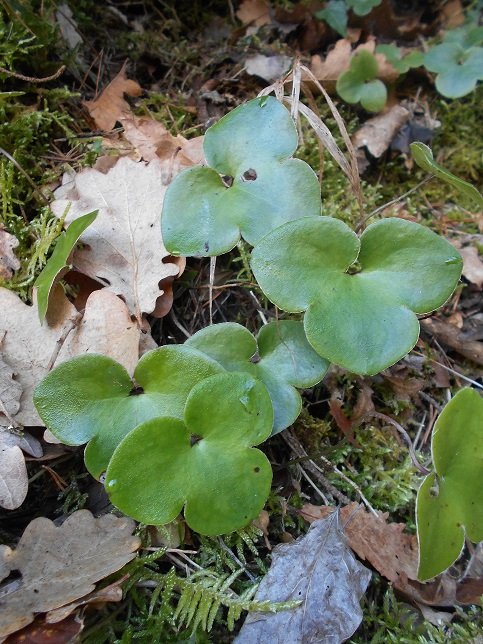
(46, 131)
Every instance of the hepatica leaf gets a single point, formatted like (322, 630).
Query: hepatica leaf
(423, 155)
(280, 357)
(458, 65)
(58, 262)
(360, 83)
(403, 63)
(252, 184)
(92, 399)
(204, 462)
(449, 499)
(361, 296)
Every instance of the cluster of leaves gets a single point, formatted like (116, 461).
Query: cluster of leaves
(336, 16)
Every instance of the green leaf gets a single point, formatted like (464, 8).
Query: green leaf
(458, 68)
(253, 146)
(361, 296)
(280, 357)
(335, 15)
(92, 398)
(423, 155)
(402, 63)
(363, 7)
(205, 462)
(448, 503)
(359, 83)
(58, 262)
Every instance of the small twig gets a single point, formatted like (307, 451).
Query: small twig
(259, 307)
(236, 560)
(405, 436)
(320, 493)
(32, 79)
(71, 324)
(456, 373)
(178, 324)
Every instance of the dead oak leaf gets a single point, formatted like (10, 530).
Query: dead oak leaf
(110, 104)
(123, 247)
(10, 392)
(8, 262)
(28, 346)
(13, 477)
(254, 12)
(60, 564)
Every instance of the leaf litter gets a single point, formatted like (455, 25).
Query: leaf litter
(59, 564)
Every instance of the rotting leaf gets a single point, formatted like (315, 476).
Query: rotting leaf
(258, 138)
(60, 564)
(448, 506)
(205, 462)
(13, 477)
(122, 249)
(92, 399)
(10, 393)
(280, 357)
(321, 571)
(423, 156)
(361, 295)
(57, 264)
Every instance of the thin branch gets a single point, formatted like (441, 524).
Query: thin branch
(32, 79)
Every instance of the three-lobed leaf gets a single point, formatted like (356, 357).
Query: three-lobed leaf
(92, 399)
(252, 184)
(57, 264)
(448, 504)
(280, 357)
(360, 295)
(360, 83)
(423, 155)
(402, 63)
(205, 462)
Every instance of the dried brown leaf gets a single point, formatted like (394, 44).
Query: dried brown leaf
(123, 248)
(454, 338)
(13, 477)
(60, 564)
(39, 632)
(10, 392)
(254, 12)
(377, 133)
(472, 265)
(8, 262)
(110, 104)
(111, 593)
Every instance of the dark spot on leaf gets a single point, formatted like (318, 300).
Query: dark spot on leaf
(195, 438)
(255, 358)
(206, 247)
(227, 180)
(249, 175)
(136, 391)
(256, 469)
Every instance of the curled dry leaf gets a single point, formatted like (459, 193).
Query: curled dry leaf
(453, 337)
(254, 12)
(8, 262)
(123, 248)
(377, 133)
(60, 564)
(28, 346)
(321, 571)
(110, 104)
(394, 554)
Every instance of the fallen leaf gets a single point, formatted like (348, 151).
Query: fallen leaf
(254, 12)
(13, 477)
(111, 593)
(123, 247)
(394, 554)
(472, 265)
(454, 338)
(8, 262)
(320, 570)
(269, 68)
(28, 346)
(39, 632)
(60, 564)
(10, 393)
(377, 133)
(110, 104)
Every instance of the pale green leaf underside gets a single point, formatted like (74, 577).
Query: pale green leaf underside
(89, 399)
(253, 144)
(205, 462)
(448, 503)
(423, 155)
(280, 357)
(57, 263)
(365, 321)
